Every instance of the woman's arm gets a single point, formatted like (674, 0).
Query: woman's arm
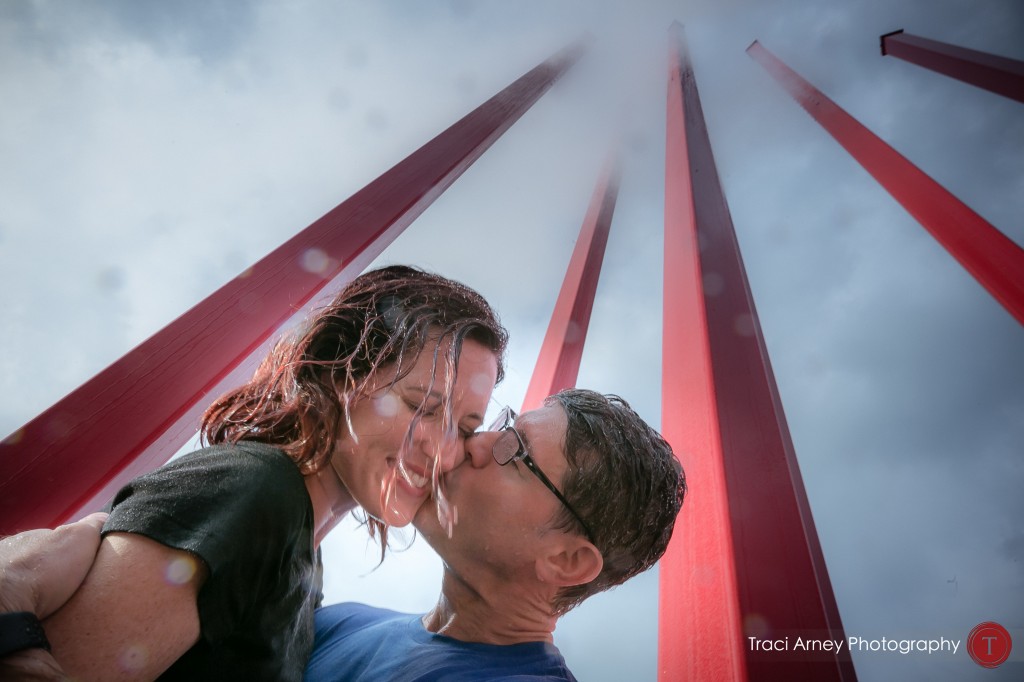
(134, 615)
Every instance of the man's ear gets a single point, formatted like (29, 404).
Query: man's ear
(574, 562)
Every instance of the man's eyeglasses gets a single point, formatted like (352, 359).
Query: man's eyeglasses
(509, 447)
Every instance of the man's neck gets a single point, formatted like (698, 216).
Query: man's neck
(500, 615)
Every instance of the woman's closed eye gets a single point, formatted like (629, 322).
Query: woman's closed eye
(428, 410)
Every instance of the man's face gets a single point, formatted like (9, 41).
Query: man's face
(503, 511)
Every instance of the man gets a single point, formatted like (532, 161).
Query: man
(557, 505)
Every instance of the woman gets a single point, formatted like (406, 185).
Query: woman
(209, 566)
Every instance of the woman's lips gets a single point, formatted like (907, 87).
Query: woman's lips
(413, 479)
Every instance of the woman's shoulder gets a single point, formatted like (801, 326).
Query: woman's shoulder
(206, 501)
(243, 460)
(246, 474)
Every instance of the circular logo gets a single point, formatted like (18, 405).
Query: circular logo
(989, 644)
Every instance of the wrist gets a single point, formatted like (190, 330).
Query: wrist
(16, 591)
(31, 665)
(21, 630)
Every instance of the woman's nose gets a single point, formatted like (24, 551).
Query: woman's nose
(451, 452)
(435, 446)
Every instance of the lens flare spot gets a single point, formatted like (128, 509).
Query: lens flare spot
(250, 303)
(714, 284)
(743, 325)
(180, 570)
(481, 384)
(133, 658)
(110, 280)
(58, 426)
(315, 260)
(386, 406)
(756, 625)
(573, 332)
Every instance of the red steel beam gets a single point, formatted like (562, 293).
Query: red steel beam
(745, 561)
(558, 364)
(995, 261)
(92, 441)
(1001, 75)
(699, 620)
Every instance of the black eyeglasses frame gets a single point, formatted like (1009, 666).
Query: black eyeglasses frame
(505, 422)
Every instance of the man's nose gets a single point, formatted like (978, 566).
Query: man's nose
(480, 447)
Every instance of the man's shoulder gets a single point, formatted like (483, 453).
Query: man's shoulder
(350, 637)
(354, 615)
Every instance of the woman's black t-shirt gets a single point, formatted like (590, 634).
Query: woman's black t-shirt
(244, 510)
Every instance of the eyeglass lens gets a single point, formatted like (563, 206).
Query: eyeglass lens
(505, 447)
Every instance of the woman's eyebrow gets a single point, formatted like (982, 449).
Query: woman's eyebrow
(436, 395)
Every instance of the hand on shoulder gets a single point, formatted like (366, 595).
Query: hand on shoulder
(40, 569)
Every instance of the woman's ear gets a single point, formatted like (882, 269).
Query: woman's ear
(575, 562)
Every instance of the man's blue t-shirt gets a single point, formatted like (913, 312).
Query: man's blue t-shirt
(360, 643)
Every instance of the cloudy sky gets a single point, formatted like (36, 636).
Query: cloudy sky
(149, 152)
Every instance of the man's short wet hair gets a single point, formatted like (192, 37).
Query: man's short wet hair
(624, 481)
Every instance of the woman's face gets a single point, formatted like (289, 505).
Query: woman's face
(366, 458)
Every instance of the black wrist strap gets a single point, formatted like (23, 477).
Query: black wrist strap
(19, 631)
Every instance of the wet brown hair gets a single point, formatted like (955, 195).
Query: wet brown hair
(383, 318)
(624, 481)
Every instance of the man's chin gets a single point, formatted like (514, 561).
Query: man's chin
(429, 523)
